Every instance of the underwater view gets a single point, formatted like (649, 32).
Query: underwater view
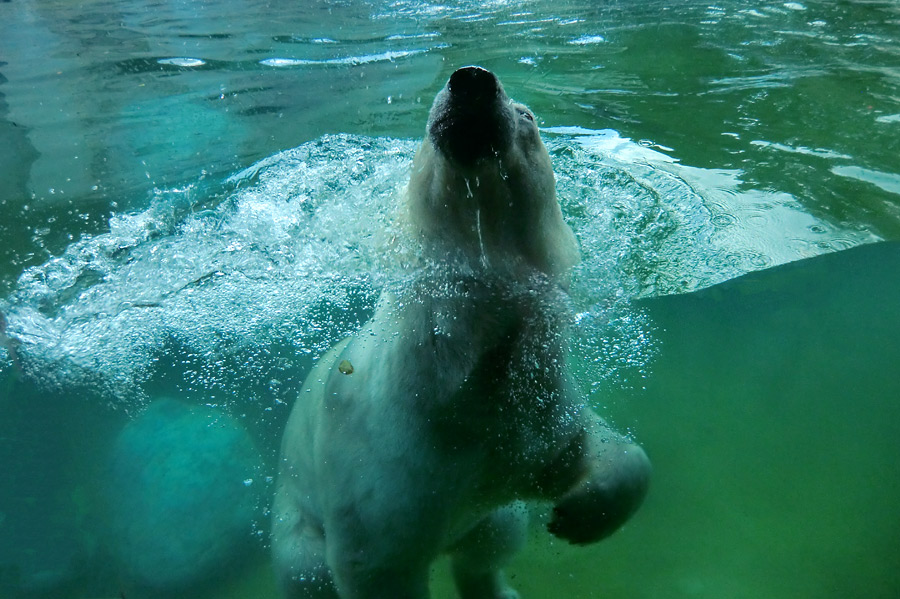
(199, 199)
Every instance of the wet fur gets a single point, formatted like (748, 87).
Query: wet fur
(459, 405)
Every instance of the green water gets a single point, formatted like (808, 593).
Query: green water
(731, 170)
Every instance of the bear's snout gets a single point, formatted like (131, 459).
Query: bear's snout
(469, 120)
(473, 86)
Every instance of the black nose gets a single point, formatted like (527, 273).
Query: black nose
(473, 85)
(469, 120)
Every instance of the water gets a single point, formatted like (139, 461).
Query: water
(162, 239)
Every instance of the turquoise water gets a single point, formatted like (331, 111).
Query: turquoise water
(194, 201)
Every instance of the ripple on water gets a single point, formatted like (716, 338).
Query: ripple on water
(889, 182)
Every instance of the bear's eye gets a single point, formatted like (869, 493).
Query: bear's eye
(528, 116)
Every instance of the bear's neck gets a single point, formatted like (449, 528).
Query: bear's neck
(484, 218)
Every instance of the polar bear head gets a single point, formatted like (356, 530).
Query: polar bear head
(482, 185)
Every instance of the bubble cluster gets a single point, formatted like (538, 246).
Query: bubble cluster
(293, 257)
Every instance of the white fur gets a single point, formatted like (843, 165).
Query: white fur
(459, 404)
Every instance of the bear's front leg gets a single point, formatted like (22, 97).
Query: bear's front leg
(616, 482)
(380, 543)
(388, 583)
(358, 576)
(479, 556)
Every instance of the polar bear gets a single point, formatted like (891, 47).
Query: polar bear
(423, 433)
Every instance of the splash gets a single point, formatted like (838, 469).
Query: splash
(653, 226)
(293, 258)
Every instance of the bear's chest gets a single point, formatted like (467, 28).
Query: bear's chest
(508, 419)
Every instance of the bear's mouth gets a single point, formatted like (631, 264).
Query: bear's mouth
(468, 122)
